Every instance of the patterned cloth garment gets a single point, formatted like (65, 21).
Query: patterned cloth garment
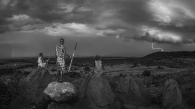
(60, 57)
(98, 67)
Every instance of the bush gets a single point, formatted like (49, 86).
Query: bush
(86, 69)
(159, 67)
(73, 74)
(146, 73)
(53, 69)
(134, 65)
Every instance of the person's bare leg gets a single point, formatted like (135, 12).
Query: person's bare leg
(61, 75)
(58, 75)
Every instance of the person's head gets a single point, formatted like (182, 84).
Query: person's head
(61, 41)
(41, 54)
(97, 57)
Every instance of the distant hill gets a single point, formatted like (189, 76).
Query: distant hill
(175, 54)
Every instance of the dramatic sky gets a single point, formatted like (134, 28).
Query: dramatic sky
(103, 27)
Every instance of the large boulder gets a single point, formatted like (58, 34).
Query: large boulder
(172, 97)
(133, 91)
(60, 91)
(96, 93)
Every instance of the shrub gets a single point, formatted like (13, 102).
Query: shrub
(87, 69)
(159, 67)
(134, 65)
(146, 73)
(73, 74)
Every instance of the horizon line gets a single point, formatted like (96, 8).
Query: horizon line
(109, 56)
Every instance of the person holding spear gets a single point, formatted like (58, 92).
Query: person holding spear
(60, 55)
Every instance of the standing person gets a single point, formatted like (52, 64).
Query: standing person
(41, 62)
(98, 65)
(60, 55)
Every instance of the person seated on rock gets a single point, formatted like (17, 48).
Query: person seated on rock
(41, 62)
(98, 65)
(60, 55)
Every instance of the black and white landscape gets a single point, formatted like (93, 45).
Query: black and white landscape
(146, 46)
(154, 70)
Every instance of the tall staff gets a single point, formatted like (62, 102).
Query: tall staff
(47, 61)
(72, 57)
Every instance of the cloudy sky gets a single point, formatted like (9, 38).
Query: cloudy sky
(103, 27)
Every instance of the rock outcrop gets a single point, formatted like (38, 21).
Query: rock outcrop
(172, 98)
(132, 91)
(123, 84)
(96, 93)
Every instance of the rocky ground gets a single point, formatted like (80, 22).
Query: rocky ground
(134, 84)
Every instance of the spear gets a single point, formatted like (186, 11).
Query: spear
(72, 57)
(48, 60)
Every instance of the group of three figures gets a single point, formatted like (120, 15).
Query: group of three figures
(61, 54)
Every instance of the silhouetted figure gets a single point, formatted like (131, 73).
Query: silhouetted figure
(41, 62)
(60, 55)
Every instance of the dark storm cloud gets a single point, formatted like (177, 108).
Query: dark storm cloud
(133, 11)
(43, 12)
(3, 29)
(162, 21)
(53, 11)
(168, 21)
